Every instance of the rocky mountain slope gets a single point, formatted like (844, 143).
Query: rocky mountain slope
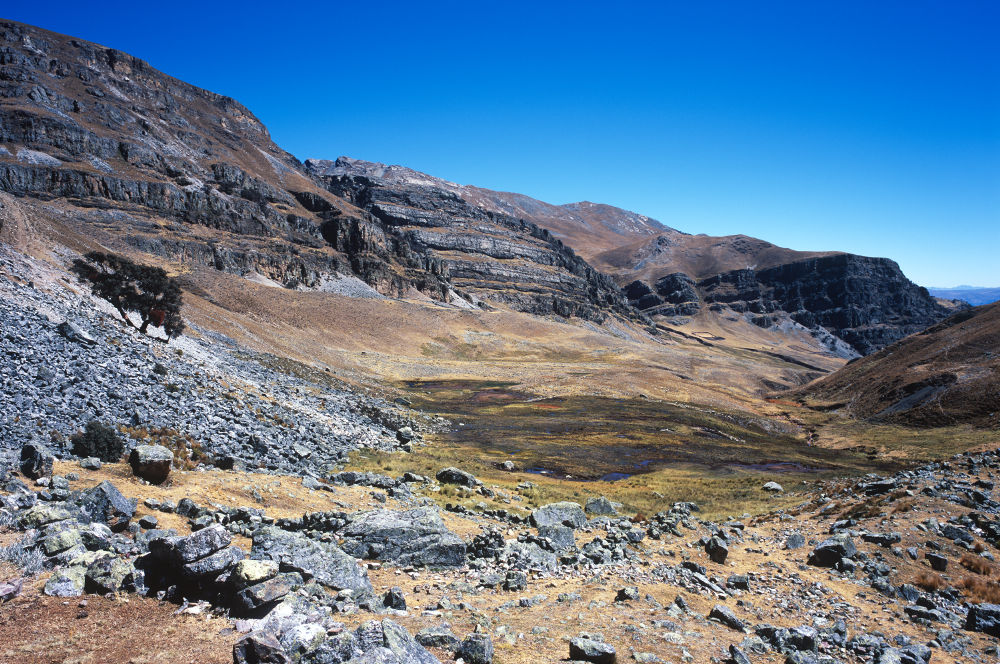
(102, 143)
(852, 304)
(483, 255)
(946, 374)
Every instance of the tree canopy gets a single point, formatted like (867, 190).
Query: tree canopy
(134, 288)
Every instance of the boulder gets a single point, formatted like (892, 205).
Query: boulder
(66, 582)
(600, 507)
(267, 592)
(528, 556)
(717, 550)
(74, 332)
(90, 463)
(795, 541)
(36, 461)
(438, 637)
(415, 537)
(108, 575)
(725, 615)
(562, 537)
(589, 650)
(388, 634)
(773, 487)
(938, 562)
(984, 618)
(10, 589)
(214, 564)
(830, 552)
(259, 648)
(104, 503)
(180, 551)
(476, 649)
(323, 561)
(453, 475)
(151, 462)
(559, 514)
(248, 572)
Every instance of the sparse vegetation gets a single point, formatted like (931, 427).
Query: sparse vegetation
(976, 564)
(134, 288)
(981, 590)
(98, 440)
(929, 581)
(28, 559)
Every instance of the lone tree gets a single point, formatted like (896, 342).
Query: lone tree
(131, 287)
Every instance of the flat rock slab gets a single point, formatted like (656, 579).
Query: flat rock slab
(415, 537)
(323, 561)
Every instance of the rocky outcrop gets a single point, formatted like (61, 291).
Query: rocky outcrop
(473, 252)
(866, 302)
(149, 163)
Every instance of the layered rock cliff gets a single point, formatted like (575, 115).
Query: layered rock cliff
(482, 254)
(134, 159)
(866, 302)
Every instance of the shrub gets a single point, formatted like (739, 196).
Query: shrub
(28, 558)
(929, 581)
(981, 590)
(976, 564)
(98, 440)
(131, 287)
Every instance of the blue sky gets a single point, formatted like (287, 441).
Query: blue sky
(871, 127)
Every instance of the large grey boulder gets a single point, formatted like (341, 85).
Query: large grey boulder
(151, 462)
(66, 582)
(387, 634)
(830, 552)
(453, 475)
(36, 461)
(74, 332)
(528, 556)
(323, 561)
(589, 650)
(104, 503)
(415, 537)
(477, 649)
(600, 507)
(259, 648)
(559, 514)
(984, 618)
(180, 551)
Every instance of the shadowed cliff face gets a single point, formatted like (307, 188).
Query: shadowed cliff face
(139, 160)
(865, 302)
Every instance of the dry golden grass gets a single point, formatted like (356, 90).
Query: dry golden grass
(977, 564)
(929, 581)
(980, 590)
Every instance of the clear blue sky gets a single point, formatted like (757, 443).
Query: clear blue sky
(871, 127)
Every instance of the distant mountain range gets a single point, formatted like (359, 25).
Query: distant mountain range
(974, 295)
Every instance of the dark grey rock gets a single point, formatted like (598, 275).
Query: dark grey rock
(151, 462)
(717, 550)
(830, 552)
(600, 507)
(984, 618)
(725, 615)
(477, 649)
(588, 650)
(106, 504)
(453, 475)
(36, 461)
